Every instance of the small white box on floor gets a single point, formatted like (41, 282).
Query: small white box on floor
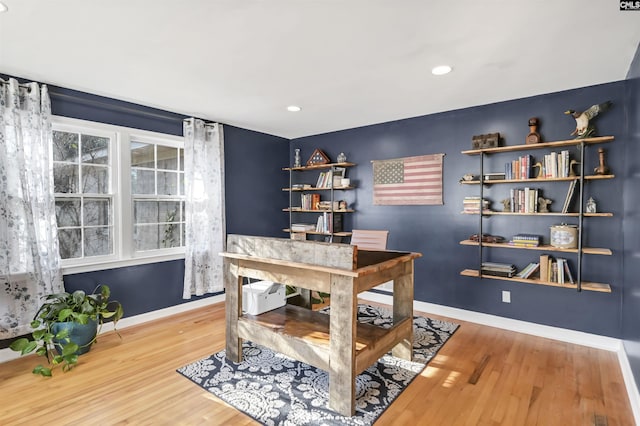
(262, 296)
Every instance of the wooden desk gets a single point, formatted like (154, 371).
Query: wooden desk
(336, 343)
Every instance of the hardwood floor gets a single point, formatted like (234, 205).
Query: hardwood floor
(482, 376)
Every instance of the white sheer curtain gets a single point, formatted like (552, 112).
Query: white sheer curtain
(204, 207)
(29, 257)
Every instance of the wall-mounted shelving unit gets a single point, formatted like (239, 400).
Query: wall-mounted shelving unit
(581, 250)
(330, 189)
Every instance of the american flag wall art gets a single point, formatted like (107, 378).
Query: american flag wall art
(408, 181)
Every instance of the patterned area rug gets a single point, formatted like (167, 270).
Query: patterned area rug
(277, 390)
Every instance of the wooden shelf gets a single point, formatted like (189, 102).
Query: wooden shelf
(542, 247)
(491, 213)
(298, 210)
(305, 324)
(335, 188)
(585, 285)
(335, 234)
(520, 181)
(543, 145)
(318, 166)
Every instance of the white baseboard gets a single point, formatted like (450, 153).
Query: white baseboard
(564, 335)
(630, 383)
(8, 355)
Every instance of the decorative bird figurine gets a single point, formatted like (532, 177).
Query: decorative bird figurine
(583, 128)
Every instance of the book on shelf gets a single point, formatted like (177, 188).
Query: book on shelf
(569, 197)
(472, 205)
(494, 176)
(528, 270)
(302, 227)
(555, 270)
(525, 240)
(498, 269)
(524, 200)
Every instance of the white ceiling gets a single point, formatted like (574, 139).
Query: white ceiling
(347, 63)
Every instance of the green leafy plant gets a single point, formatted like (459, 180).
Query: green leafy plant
(78, 307)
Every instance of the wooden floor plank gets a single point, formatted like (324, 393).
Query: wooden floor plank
(525, 380)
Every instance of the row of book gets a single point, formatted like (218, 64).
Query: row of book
(519, 168)
(309, 201)
(325, 180)
(472, 205)
(555, 270)
(551, 270)
(524, 200)
(553, 165)
(328, 223)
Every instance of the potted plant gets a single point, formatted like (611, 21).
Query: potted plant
(66, 325)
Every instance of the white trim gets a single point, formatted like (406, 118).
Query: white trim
(101, 266)
(630, 383)
(8, 355)
(569, 336)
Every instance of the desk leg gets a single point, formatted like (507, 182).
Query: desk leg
(403, 308)
(342, 361)
(233, 309)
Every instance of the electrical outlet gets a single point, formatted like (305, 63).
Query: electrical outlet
(506, 296)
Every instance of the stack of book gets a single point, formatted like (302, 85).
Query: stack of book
(498, 269)
(525, 240)
(494, 176)
(302, 227)
(556, 165)
(528, 270)
(472, 205)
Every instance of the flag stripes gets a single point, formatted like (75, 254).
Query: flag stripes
(408, 181)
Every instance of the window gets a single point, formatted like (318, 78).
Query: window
(83, 190)
(119, 195)
(157, 188)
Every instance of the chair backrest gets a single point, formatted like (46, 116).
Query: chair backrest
(367, 239)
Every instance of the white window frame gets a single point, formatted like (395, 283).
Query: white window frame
(120, 154)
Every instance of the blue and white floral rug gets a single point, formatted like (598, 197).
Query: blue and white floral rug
(277, 390)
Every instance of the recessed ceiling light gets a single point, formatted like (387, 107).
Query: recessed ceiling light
(441, 70)
(293, 108)
(3, 7)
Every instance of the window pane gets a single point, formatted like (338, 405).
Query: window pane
(69, 241)
(97, 241)
(170, 235)
(143, 181)
(168, 211)
(95, 180)
(181, 159)
(142, 155)
(67, 213)
(167, 157)
(65, 146)
(145, 211)
(167, 183)
(182, 184)
(95, 149)
(146, 237)
(97, 212)
(65, 179)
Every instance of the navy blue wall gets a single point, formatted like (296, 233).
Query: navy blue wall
(631, 306)
(253, 192)
(436, 231)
